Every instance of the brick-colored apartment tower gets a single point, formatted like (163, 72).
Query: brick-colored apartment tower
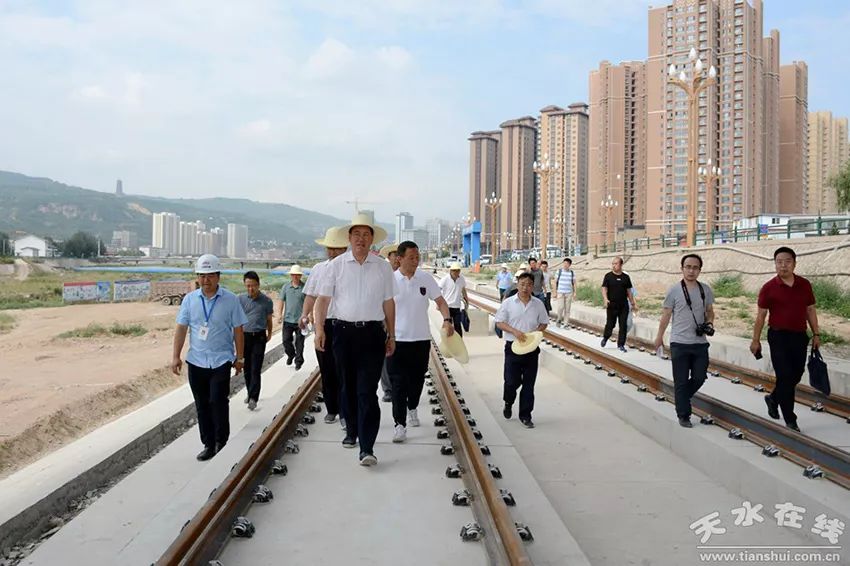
(828, 152)
(793, 137)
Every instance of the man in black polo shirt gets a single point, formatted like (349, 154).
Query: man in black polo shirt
(259, 310)
(791, 303)
(616, 295)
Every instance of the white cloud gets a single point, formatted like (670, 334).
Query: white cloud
(93, 92)
(257, 128)
(394, 57)
(331, 58)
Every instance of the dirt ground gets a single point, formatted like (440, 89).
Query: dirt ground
(53, 390)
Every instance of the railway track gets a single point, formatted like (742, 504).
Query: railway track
(205, 536)
(816, 457)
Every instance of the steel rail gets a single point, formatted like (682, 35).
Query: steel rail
(794, 446)
(204, 536)
(501, 540)
(838, 405)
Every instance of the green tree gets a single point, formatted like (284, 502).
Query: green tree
(81, 244)
(7, 248)
(841, 184)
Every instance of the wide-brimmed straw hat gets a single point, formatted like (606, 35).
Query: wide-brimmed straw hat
(361, 219)
(334, 238)
(455, 266)
(387, 250)
(453, 346)
(532, 341)
(518, 273)
(295, 270)
(523, 266)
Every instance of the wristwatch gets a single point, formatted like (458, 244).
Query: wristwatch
(447, 320)
(240, 360)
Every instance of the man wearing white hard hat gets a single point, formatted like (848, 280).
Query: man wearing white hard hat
(453, 288)
(213, 318)
(519, 317)
(335, 243)
(362, 288)
(407, 367)
(292, 304)
(503, 281)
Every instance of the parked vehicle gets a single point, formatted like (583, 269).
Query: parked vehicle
(171, 292)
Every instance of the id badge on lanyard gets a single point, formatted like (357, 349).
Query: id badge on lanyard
(204, 331)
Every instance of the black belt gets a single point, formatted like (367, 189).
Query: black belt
(260, 332)
(357, 324)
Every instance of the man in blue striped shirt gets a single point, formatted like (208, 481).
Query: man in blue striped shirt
(565, 290)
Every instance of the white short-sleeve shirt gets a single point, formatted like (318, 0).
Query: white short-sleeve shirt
(411, 305)
(453, 290)
(524, 317)
(357, 290)
(314, 281)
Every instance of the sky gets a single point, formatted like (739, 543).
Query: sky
(316, 102)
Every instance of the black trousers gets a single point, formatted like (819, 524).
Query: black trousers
(331, 384)
(457, 316)
(690, 367)
(520, 371)
(617, 313)
(547, 301)
(211, 388)
(296, 350)
(788, 355)
(407, 367)
(255, 353)
(360, 352)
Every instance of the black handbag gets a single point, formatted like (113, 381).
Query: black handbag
(818, 374)
(464, 320)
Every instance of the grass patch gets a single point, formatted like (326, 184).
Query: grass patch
(831, 297)
(6, 261)
(744, 315)
(592, 295)
(7, 322)
(729, 286)
(830, 338)
(98, 330)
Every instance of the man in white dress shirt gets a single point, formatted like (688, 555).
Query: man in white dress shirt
(335, 243)
(453, 288)
(407, 367)
(517, 315)
(362, 288)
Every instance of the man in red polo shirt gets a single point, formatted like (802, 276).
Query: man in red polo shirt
(791, 303)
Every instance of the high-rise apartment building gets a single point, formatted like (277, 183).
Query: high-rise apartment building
(793, 138)
(732, 129)
(617, 152)
(517, 153)
(166, 232)
(237, 241)
(403, 221)
(484, 181)
(438, 231)
(563, 137)
(829, 150)
(124, 240)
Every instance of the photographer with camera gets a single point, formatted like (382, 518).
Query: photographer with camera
(690, 304)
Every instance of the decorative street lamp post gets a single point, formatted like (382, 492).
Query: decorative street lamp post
(692, 85)
(529, 231)
(544, 169)
(709, 175)
(493, 204)
(608, 204)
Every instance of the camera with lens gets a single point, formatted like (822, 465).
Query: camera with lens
(705, 329)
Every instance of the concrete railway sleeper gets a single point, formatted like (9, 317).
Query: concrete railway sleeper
(204, 537)
(818, 458)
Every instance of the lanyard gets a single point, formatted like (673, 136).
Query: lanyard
(207, 315)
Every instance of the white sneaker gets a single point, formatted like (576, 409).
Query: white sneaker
(399, 433)
(342, 423)
(412, 418)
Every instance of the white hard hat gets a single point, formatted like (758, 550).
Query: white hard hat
(455, 266)
(208, 263)
(296, 270)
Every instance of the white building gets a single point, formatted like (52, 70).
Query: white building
(237, 241)
(166, 232)
(403, 221)
(784, 226)
(31, 246)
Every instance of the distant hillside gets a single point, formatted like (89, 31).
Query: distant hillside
(48, 208)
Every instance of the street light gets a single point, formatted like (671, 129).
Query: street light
(699, 80)
(544, 169)
(709, 175)
(560, 223)
(530, 233)
(492, 204)
(609, 204)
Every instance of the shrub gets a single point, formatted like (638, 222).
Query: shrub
(831, 297)
(729, 286)
(589, 294)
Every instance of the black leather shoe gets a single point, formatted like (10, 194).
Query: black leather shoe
(349, 442)
(206, 454)
(686, 423)
(289, 361)
(218, 447)
(298, 366)
(507, 412)
(793, 426)
(772, 407)
(527, 423)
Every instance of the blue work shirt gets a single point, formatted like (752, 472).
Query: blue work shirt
(504, 279)
(225, 314)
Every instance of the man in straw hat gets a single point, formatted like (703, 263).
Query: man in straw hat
(215, 319)
(453, 288)
(292, 304)
(335, 243)
(408, 365)
(390, 253)
(362, 288)
(516, 316)
(503, 281)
